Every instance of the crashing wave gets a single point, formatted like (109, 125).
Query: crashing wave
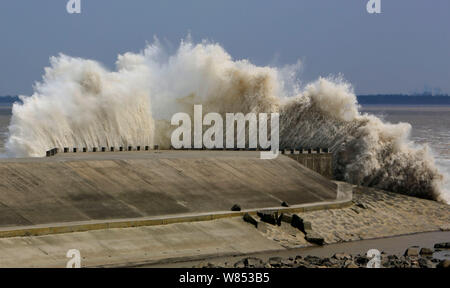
(81, 104)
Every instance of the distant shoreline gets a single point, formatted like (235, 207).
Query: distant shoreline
(403, 100)
(384, 99)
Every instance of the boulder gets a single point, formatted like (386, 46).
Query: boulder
(444, 264)
(425, 263)
(362, 260)
(442, 245)
(412, 251)
(301, 224)
(361, 205)
(426, 251)
(314, 238)
(287, 263)
(270, 217)
(253, 262)
(307, 226)
(297, 222)
(249, 219)
(239, 264)
(286, 217)
(275, 262)
(236, 207)
(342, 256)
(314, 260)
(351, 265)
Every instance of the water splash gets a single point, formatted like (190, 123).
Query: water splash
(81, 104)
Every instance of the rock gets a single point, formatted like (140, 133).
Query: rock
(444, 264)
(361, 260)
(286, 263)
(351, 265)
(297, 222)
(425, 263)
(275, 262)
(334, 261)
(239, 264)
(342, 256)
(249, 219)
(284, 204)
(301, 264)
(361, 205)
(307, 226)
(327, 262)
(199, 265)
(286, 217)
(313, 260)
(412, 251)
(392, 257)
(314, 238)
(301, 224)
(253, 262)
(426, 251)
(270, 217)
(445, 227)
(414, 264)
(442, 245)
(236, 207)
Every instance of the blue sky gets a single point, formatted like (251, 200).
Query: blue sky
(405, 49)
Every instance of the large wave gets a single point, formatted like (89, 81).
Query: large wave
(79, 103)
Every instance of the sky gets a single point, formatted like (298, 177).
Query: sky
(405, 49)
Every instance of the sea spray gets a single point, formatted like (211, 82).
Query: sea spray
(367, 151)
(81, 104)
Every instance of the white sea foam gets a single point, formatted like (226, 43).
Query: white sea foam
(81, 104)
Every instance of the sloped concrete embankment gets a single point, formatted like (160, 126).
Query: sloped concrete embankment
(91, 192)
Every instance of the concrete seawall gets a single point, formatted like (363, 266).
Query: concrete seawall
(321, 163)
(102, 186)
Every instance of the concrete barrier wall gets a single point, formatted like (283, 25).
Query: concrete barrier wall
(317, 159)
(54, 151)
(321, 163)
(92, 187)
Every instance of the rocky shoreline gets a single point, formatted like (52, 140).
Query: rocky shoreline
(414, 257)
(375, 214)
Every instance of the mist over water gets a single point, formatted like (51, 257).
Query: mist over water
(79, 103)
